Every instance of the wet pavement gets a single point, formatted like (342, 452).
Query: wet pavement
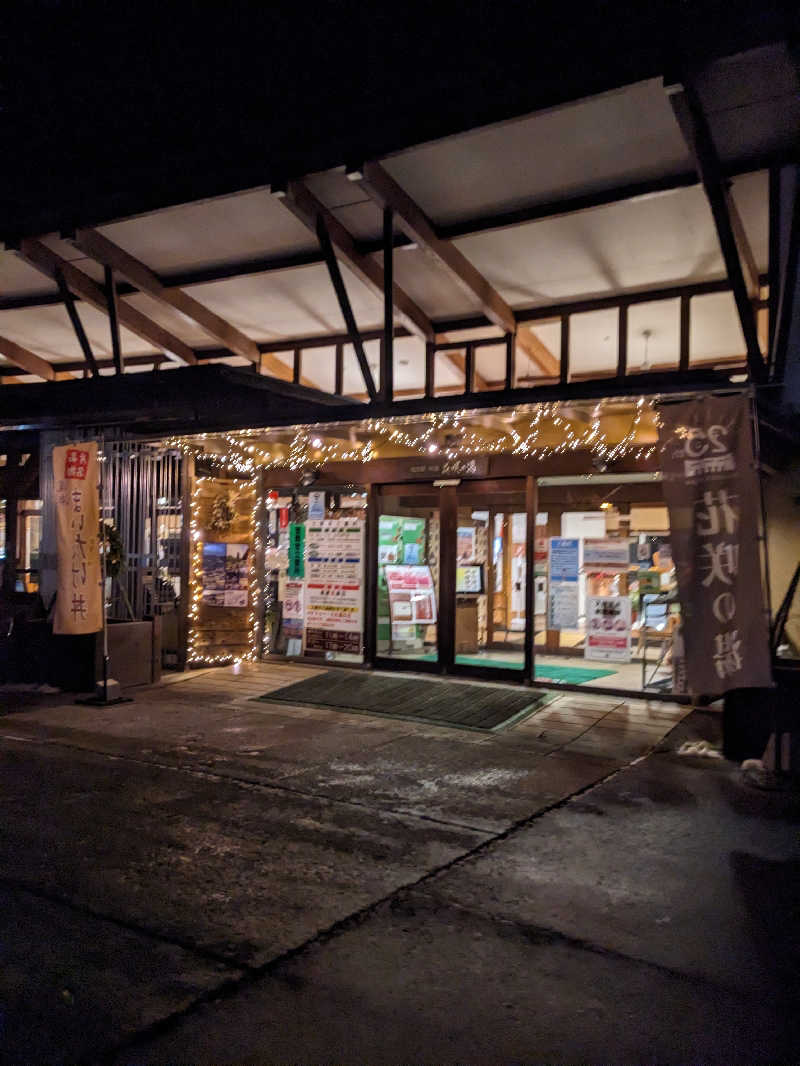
(197, 878)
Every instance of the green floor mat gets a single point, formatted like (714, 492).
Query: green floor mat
(567, 675)
(570, 675)
(448, 703)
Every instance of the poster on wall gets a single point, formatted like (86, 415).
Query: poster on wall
(711, 488)
(606, 553)
(608, 628)
(333, 587)
(563, 557)
(316, 504)
(79, 607)
(412, 597)
(465, 544)
(562, 605)
(225, 574)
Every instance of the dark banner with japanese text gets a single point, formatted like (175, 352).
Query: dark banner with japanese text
(79, 607)
(711, 490)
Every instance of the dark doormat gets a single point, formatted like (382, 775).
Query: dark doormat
(448, 703)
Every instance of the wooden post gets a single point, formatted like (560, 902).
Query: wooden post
(531, 504)
(448, 523)
(371, 575)
(187, 487)
(12, 496)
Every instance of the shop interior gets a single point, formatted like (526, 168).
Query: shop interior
(443, 574)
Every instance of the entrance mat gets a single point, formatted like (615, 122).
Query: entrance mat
(448, 703)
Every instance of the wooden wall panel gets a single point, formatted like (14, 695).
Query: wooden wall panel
(222, 631)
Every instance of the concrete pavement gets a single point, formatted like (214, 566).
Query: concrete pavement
(190, 879)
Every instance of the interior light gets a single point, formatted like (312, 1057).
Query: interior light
(433, 448)
(737, 378)
(316, 443)
(279, 189)
(354, 173)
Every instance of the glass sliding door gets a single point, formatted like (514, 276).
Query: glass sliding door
(408, 551)
(491, 577)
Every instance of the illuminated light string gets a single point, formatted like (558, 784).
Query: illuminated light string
(196, 655)
(306, 447)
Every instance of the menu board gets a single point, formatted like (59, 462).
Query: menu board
(608, 628)
(412, 598)
(333, 587)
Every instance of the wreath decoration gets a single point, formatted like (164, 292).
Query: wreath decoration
(222, 514)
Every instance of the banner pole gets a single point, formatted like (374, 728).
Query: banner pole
(101, 489)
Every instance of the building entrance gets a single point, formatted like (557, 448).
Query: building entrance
(452, 577)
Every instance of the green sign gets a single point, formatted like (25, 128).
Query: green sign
(297, 549)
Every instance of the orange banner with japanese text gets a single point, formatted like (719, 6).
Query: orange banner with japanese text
(79, 607)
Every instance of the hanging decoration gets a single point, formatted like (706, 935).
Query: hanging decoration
(222, 514)
(307, 449)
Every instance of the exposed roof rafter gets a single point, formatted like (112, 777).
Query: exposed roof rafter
(50, 263)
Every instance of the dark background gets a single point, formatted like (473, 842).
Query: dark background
(122, 107)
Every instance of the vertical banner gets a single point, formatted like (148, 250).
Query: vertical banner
(79, 607)
(711, 490)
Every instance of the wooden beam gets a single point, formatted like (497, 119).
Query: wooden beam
(345, 307)
(113, 318)
(538, 352)
(691, 118)
(77, 325)
(133, 270)
(51, 264)
(26, 360)
(384, 190)
(307, 208)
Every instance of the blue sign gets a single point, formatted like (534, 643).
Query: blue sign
(564, 558)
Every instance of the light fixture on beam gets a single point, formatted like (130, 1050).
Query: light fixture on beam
(279, 189)
(354, 173)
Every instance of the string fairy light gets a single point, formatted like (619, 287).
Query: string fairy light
(196, 655)
(419, 434)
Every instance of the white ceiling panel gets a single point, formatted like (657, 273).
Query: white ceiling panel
(653, 241)
(593, 342)
(289, 303)
(598, 143)
(715, 332)
(17, 278)
(430, 284)
(244, 226)
(47, 331)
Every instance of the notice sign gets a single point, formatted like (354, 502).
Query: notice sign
(608, 628)
(225, 570)
(79, 607)
(562, 592)
(601, 553)
(412, 597)
(562, 605)
(563, 558)
(297, 549)
(333, 587)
